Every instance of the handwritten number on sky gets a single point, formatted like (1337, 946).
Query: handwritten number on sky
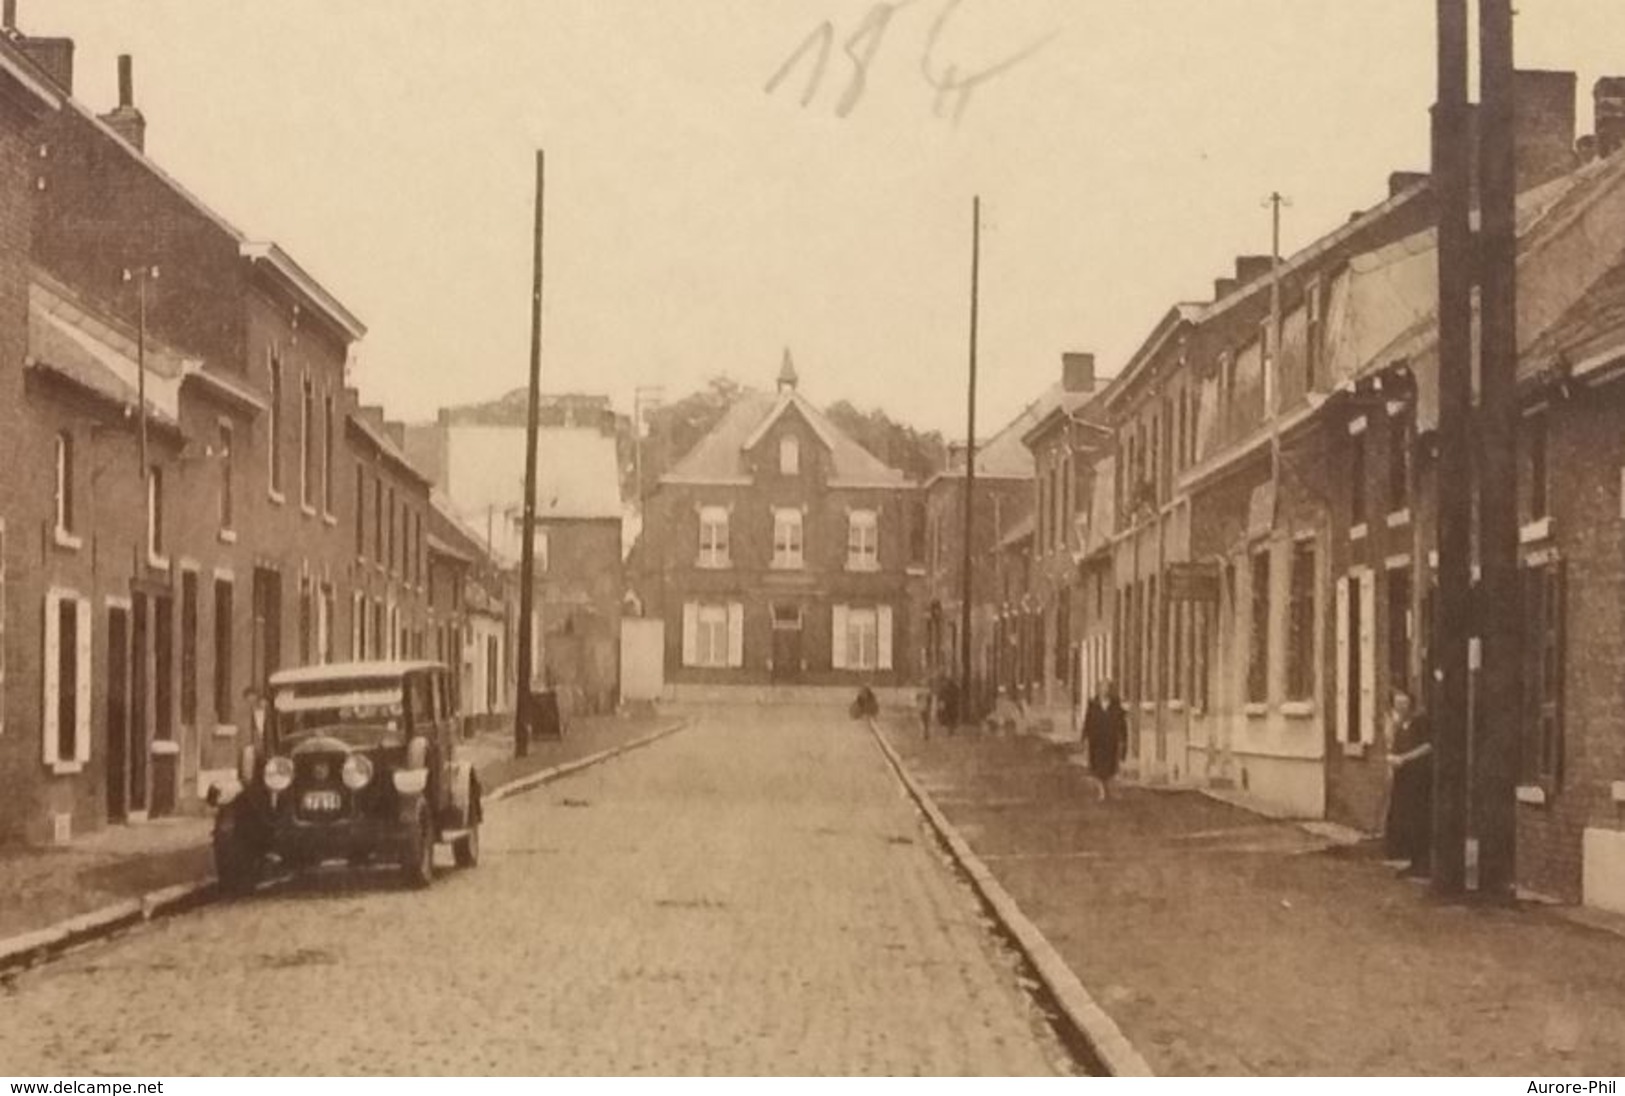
(952, 85)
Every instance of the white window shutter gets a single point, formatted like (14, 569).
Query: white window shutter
(81, 708)
(736, 634)
(883, 625)
(691, 633)
(837, 637)
(1342, 713)
(52, 662)
(1368, 658)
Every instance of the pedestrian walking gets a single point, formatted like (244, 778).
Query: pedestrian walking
(1408, 832)
(927, 700)
(1105, 730)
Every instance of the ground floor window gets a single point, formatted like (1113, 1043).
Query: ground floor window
(1258, 632)
(1543, 650)
(222, 651)
(860, 637)
(713, 634)
(66, 665)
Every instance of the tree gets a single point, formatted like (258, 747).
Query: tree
(919, 454)
(675, 428)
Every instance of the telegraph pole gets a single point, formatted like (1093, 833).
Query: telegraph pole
(967, 585)
(140, 276)
(1448, 710)
(1495, 744)
(527, 550)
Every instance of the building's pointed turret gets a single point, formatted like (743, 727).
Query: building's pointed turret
(787, 373)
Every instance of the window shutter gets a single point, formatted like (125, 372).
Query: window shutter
(691, 632)
(837, 637)
(1342, 713)
(51, 664)
(81, 665)
(1558, 609)
(736, 634)
(1368, 659)
(883, 625)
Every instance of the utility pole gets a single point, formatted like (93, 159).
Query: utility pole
(141, 276)
(1272, 356)
(1451, 179)
(967, 585)
(525, 712)
(1495, 743)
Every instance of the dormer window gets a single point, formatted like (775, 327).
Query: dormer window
(789, 456)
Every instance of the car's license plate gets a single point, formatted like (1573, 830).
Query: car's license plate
(321, 801)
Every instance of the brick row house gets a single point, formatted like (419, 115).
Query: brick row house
(180, 515)
(782, 553)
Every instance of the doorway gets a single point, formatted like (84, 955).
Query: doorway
(786, 643)
(118, 712)
(138, 737)
(165, 760)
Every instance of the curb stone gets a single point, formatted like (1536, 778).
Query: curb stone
(1105, 1039)
(31, 948)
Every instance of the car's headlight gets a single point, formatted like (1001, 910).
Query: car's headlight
(279, 773)
(357, 772)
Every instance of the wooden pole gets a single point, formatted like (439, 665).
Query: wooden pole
(527, 549)
(1495, 752)
(967, 584)
(1451, 165)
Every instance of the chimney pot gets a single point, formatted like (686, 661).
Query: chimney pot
(126, 82)
(1608, 98)
(9, 19)
(1401, 181)
(1077, 372)
(1223, 287)
(1543, 125)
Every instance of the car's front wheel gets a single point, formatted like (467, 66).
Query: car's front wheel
(418, 863)
(466, 849)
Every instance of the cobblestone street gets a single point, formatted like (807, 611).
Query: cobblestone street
(752, 895)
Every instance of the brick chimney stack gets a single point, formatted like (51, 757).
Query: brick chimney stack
(1077, 372)
(1608, 98)
(8, 19)
(125, 119)
(1251, 267)
(1543, 125)
(52, 56)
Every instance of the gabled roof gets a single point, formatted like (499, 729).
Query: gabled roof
(1185, 312)
(719, 457)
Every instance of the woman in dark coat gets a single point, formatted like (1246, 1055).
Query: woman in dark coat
(1408, 833)
(1105, 730)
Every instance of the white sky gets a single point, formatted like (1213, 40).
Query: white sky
(697, 225)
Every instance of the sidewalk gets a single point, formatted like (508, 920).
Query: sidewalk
(44, 886)
(1226, 943)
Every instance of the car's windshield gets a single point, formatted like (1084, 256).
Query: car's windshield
(354, 712)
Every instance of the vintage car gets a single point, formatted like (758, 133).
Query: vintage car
(358, 761)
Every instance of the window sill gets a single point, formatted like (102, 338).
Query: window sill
(330, 519)
(1617, 791)
(1255, 711)
(157, 562)
(228, 536)
(67, 768)
(1358, 532)
(65, 539)
(1532, 794)
(276, 496)
(1176, 705)
(1355, 749)
(788, 567)
(1298, 709)
(225, 730)
(1398, 518)
(1148, 705)
(863, 569)
(1533, 531)
(713, 565)
(307, 509)
(164, 747)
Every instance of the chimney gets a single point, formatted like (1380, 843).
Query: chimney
(397, 434)
(956, 456)
(1401, 181)
(1249, 267)
(1077, 372)
(1543, 125)
(1608, 97)
(125, 119)
(8, 21)
(1223, 287)
(52, 56)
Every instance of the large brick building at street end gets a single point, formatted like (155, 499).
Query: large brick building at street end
(779, 552)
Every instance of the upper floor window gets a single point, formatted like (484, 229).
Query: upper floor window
(1312, 335)
(713, 536)
(155, 515)
(863, 541)
(787, 544)
(1399, 465)
(789, 455)
(1357, 473)
(1534, 430)
(1258, 633)
(274, 427)
(327, 455)
(64, 485)
(360, 512)
(307, 443)
(226, 501)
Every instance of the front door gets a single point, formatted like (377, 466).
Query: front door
(118, 712)
(786, 643)
(140, 649)
(165, 754)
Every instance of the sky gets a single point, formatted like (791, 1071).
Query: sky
(701, 217)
